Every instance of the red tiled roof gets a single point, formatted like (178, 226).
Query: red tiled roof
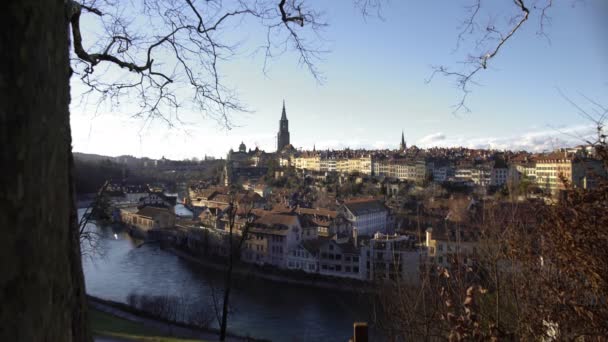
(364, 206)
(151, 212)
(271, 220)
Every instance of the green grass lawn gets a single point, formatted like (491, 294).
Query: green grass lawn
(104, 324)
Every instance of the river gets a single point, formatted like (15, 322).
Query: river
(262, 309)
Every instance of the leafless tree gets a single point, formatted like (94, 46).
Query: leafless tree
(90, 245)
(173, 50)
(490, 38)
(235, 246)
(539, 274)
(596, 114)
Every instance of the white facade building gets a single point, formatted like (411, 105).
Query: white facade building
(441, 173)
(499, 176)
(367, 216)
(340, 258)
(303, 257)
(271, 237)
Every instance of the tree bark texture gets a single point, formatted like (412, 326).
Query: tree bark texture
(42, 295)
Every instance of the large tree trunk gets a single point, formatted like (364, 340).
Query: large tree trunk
(41, 281)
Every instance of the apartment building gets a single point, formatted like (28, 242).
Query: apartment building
(271, 237)
(449, 243)
(402, 169)
(555, 170)
(366, 216)
(339, 257)
(147, 218)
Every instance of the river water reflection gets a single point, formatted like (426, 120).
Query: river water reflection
(261, 308)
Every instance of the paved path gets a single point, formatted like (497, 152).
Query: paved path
(164, 328)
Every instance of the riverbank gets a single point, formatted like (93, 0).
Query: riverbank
(110, 328)
(259, 308)
(158, 325)
(175, 242)
(248, 271)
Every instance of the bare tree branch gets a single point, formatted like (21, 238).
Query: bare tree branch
(174, 51)
(493, 37)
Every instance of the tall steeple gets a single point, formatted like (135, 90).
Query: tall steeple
(402, 146)
(283, 136)
(284, 114)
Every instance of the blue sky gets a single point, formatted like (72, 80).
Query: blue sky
(374, 86)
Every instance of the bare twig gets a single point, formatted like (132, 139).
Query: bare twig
(480, 62)
(172, 52)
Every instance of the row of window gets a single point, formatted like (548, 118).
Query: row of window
(277, 238)
(395, 256)
(338, 268)
(299, 254)
(439, 260)
(142, 222)
(552, 168)
(298, 265)
(331, 256)
(554, 174)
(449, 249)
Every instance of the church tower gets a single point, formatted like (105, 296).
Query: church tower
(402, 146)
(283, 136)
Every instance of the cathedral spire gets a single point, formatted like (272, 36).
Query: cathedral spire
(402, 146)
(284, 114)
(283, 136)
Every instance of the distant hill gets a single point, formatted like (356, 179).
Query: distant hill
(92, 170)
(90, 157)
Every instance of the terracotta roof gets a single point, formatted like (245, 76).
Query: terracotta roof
(308, 211)
(151, 212)
(315, 245)
(272, 220)
(220, 198)
(208, 192)
(318, 211)
(248, 196)
(449, 231)
(364, 207)
(556, 156)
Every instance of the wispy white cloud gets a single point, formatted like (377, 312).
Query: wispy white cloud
(539, 140)
(335, 144)
(432, 139)
(536, 140)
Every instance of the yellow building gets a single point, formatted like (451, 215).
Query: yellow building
(342, 166)
(308, 161)
(555, 170)
(148, 218)
(313, 161)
